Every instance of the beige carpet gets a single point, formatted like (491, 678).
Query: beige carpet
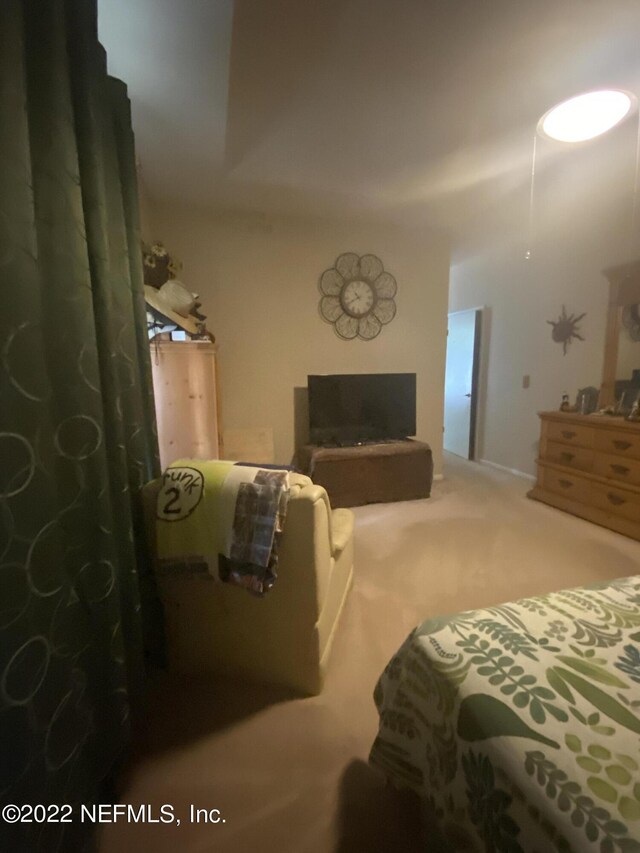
(291, 776)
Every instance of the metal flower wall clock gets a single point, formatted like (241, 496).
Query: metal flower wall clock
(357, 296)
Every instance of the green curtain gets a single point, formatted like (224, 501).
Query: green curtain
(77, 427)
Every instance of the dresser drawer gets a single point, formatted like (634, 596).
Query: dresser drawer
(574, 457)
(617, 501)
(622, 443)
(569, 485)
(575, 434)
(617, 468)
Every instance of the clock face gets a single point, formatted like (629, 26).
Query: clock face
(357, 298)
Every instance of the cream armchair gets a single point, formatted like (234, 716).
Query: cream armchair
(284, 638)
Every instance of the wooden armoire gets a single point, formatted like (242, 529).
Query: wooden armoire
(185, 384)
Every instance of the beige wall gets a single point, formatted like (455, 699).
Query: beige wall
(257, 278)
(521, 297)
(582, 224)
(144, 207)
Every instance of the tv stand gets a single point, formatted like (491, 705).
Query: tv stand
(365, 442)
(370, 473)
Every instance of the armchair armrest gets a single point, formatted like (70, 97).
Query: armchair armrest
(341, 529)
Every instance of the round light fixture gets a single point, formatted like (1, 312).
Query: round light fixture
(586, 116)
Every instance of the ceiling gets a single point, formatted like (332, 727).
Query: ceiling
(417, 110)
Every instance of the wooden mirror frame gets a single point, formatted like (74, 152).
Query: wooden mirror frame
(624, 289)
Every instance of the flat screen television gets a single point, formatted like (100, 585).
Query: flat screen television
(359, 407)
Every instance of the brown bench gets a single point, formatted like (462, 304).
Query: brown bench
(370, 473)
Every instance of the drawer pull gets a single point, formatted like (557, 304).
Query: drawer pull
(566, 484)
(620, 469)
(567, 457)
(616, 500)
(622, 445)
(568, 434)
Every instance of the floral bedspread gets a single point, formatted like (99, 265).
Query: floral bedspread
(520, 723)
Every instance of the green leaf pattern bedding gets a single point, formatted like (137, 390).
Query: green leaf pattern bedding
(520, 723)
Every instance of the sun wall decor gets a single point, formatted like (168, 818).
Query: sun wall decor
(357, 296)
(565, 328)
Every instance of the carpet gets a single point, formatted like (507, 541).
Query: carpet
(290, 775)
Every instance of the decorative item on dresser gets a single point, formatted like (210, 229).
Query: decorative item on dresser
(590, 466)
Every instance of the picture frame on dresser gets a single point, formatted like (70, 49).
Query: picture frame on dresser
(628, 397)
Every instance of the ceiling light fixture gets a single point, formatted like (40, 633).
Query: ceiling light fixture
(579, 119)
(586, 116)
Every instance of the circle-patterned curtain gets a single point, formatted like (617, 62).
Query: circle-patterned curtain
(76, 417)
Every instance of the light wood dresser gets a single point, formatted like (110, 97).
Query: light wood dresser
(186, 394)
(589, 465)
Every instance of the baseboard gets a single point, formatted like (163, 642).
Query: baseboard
(513, 471)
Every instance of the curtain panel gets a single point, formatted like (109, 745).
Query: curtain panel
(77, 423)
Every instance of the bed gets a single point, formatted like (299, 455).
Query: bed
(520, 724)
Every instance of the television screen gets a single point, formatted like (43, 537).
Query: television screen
(359, 407)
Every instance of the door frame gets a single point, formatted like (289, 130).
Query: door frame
(475, 373)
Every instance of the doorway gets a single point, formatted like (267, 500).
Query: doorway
(462, 382)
